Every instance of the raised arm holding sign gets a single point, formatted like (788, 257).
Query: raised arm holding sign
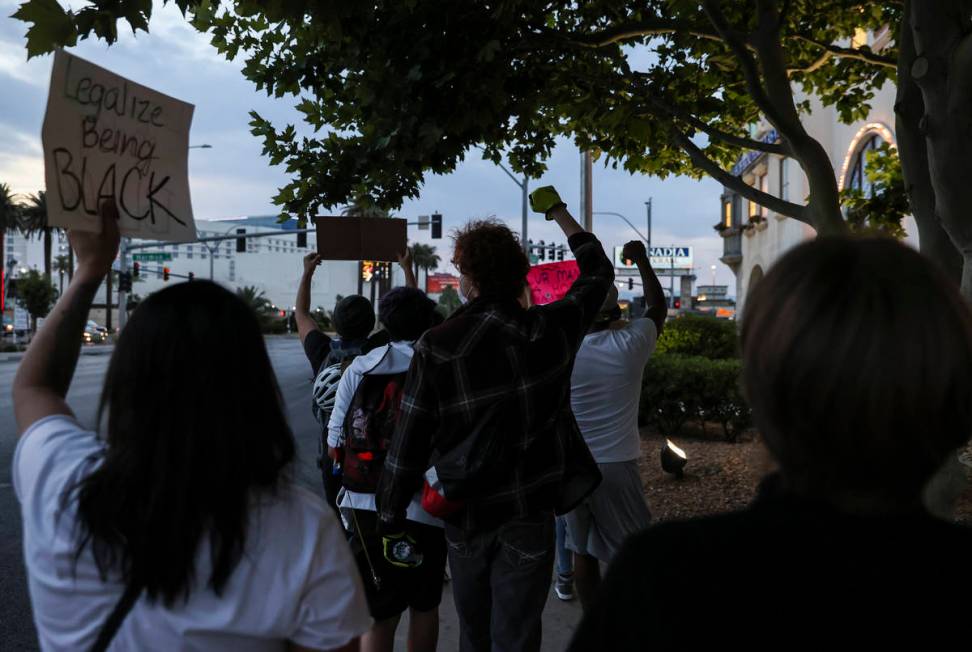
(108, 138)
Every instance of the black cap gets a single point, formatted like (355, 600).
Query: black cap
(354, 318)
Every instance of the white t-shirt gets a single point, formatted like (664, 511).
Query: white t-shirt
(296, 580)
(605, 388)
(393, 358)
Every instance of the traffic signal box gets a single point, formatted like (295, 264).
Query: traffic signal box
(165, 273)
(436, 223)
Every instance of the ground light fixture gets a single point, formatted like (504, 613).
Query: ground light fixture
(673, 459)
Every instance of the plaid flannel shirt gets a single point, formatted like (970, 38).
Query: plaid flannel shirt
(486, 352)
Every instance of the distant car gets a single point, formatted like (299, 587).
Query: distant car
(94, 333)
(8, 326)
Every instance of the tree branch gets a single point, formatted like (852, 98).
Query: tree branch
(627, 31)
(714, 170)
(850, 53)
(781, 149)
(747, 63)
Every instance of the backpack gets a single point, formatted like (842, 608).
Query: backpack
(368, 429)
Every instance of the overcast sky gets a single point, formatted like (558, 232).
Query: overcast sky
(233, 179)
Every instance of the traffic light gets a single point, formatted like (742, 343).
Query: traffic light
(125, 282)
(302, 240)
(630, 283)
(541, 251)
(192, 277)
(436, 226)
(560, 252)
(677, 304)
(553, 251)
(136, 268)
(165, 273)
(240, 242)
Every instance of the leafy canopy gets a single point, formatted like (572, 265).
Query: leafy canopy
(392, 90)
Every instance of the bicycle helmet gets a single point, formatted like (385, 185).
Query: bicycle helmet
(325, 389)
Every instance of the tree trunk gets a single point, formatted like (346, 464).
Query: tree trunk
(913, 152)
(941, 71)
(47, 253)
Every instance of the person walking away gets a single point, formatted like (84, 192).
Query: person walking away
(180, 527)
(494, 379)
(857, 363)
(354, 319)
(365, 409)
(605, 395)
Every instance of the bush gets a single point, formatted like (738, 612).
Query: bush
(678, 389)
(697, 335)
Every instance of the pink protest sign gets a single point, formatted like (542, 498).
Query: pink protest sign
(550, 282)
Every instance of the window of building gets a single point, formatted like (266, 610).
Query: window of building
(858, 169)
(188, 251)
(232, 270)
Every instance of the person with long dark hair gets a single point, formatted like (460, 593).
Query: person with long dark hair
(179, 527)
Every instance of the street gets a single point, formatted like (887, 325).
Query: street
(294, 377)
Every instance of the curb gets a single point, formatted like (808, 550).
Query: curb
(91, 350)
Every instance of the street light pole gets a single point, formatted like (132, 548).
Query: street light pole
(628, 222)
(525, 192)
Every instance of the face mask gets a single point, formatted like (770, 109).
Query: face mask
(463, 292)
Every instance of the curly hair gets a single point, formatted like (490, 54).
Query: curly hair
(489, 253)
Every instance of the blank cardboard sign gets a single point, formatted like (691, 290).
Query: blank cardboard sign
(106, 137)
(360, 238)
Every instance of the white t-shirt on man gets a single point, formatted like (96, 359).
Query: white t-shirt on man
(296, 580)
(605, 388)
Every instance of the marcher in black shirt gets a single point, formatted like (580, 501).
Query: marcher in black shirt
(857, 359)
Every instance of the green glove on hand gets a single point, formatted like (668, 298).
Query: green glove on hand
(401, 550)
(545, 199)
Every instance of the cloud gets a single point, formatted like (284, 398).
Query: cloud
(233, 178)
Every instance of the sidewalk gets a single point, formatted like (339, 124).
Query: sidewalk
(90, 349)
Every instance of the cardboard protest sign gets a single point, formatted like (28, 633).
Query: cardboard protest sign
(106, 137)
(550, 282)
(360, 238)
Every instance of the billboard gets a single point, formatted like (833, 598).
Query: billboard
(661, 258)
(713, 291)
(438, 282)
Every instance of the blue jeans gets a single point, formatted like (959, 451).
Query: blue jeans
(565, 558)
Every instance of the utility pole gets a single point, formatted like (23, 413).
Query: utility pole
(122, 294)
(525, 187)
(586, 186)
(111, 270)
(648, 206)
(671, 270)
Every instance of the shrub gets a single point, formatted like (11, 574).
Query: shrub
(698, 335)
(678, 389)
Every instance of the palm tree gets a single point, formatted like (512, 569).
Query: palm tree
(10, 214)
(61, 266)
(35, 221)
(424, 257)
(255, 298)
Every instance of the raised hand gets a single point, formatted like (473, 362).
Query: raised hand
(95, 252)
(311, 261)
(634, 251)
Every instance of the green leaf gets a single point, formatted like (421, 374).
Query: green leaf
(52, 26)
